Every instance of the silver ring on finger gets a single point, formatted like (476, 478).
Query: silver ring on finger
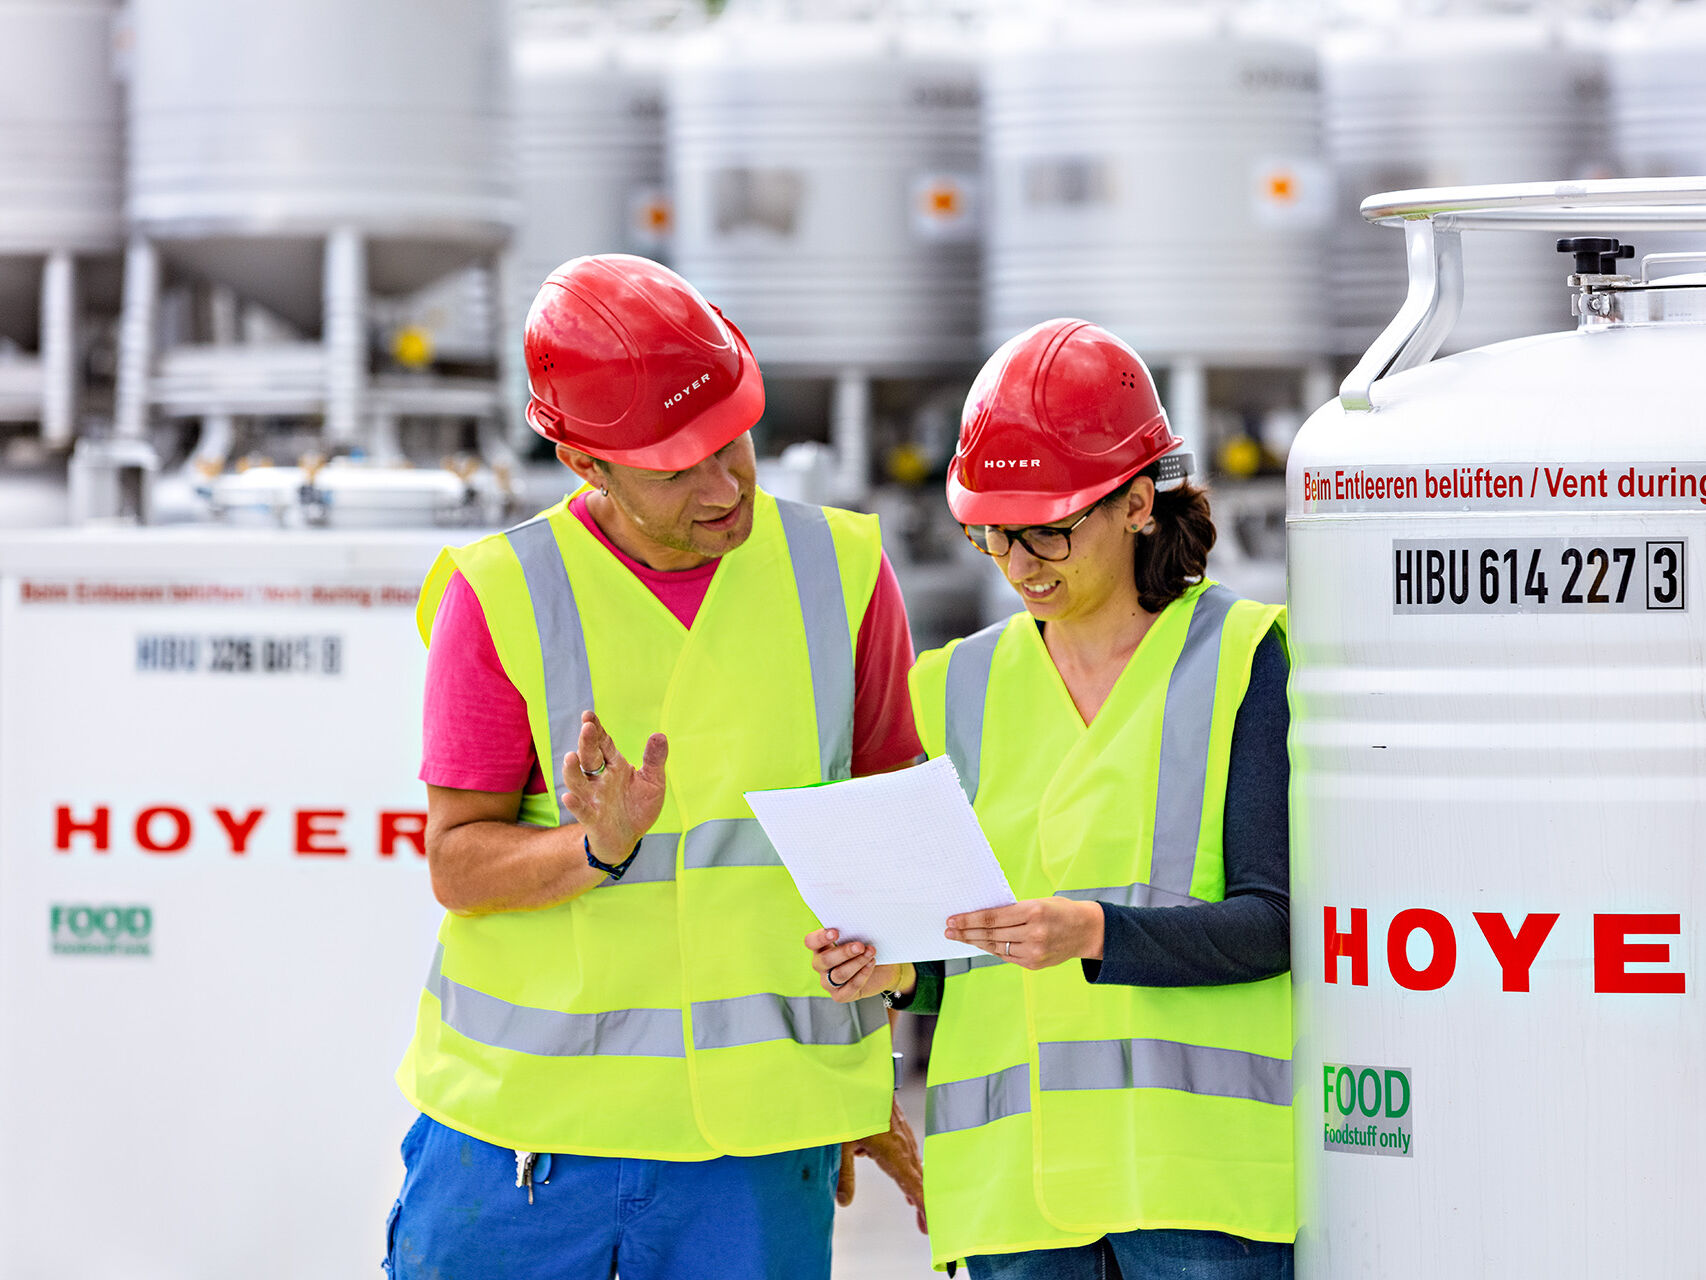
(1009, 948)
(593, 773)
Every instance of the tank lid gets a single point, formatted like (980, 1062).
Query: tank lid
(1610, 301)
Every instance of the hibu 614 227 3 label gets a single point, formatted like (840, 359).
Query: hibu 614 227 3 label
(1539, 575)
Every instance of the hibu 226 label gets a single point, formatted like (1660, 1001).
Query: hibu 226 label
(1540, 575)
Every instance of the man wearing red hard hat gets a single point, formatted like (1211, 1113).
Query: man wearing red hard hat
(620, 1061)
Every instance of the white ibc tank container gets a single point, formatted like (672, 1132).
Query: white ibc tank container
(1451, 99)
(825, 177)
(1157, 169)
(1498, 611)
(214, 916)
(258, 123)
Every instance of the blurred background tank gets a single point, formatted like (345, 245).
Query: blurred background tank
(288, 163)
(589, 123)
(1429, 93)
(61, 161)
(1157, 168)
(1657, 57)
(824, 161)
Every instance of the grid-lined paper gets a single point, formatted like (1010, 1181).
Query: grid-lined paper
(887, 859)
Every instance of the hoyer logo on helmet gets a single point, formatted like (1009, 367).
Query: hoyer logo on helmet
(669, 402)
(1012, 462)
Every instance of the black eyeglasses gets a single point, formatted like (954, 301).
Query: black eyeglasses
(1044, 541)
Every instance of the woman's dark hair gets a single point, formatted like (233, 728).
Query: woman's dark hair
(1173, 555)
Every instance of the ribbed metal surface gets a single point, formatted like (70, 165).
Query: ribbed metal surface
(61, 127)
(1158, 172)
(590, 139)
(289, 120)
(1456, 101)
(1657, 58)
(825, 185)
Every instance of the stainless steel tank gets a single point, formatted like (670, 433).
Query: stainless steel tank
(257, 130)
(1156, 169)
(309, 158)
(589, 114)
(1498, 723)
(1449, 98)
(825, 177)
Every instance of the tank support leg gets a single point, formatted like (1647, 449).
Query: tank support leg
(345, 329)
(136, 337)
(850, 433)
(1187, 408)
(1319, 385)
(58, 349)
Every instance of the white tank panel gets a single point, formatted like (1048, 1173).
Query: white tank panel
(286, 121)
(1159, 171)
(825, 178)
(1498, 728)
(214, 922)
(1455, 100)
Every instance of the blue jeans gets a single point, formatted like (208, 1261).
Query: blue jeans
(1144, 1255)
(734, 1218)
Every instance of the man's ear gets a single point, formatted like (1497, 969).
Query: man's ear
(583, 465)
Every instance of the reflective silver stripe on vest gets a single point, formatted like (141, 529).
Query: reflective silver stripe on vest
(629, 1033)
(967, 692)
(1185, 726)
(728, 842)
(965, 964)
(829, 641)
(726, 1024)
(655, 862)
(1164, 1064)
(1129, 895)
(966, 1104)
(568, 675)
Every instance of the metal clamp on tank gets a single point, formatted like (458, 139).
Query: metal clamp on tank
(1434, 220)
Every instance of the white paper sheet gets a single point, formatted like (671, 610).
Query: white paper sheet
(887, 859)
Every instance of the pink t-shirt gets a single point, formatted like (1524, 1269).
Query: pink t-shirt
(476, 735)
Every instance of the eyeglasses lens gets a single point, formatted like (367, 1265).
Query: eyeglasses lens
(1043, 541)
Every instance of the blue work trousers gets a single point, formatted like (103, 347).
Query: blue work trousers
(462, 1217)
(1144, 1255)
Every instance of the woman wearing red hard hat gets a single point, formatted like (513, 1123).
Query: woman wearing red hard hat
(1110, 1085)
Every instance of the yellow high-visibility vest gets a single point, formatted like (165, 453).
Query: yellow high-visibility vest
(673, 1014)
(1061, 1111)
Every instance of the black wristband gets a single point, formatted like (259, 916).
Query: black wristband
(614, 872)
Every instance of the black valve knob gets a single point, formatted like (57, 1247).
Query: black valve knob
(1596, 256)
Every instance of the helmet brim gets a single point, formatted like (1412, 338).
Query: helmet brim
(690, 444)
(1021, 506)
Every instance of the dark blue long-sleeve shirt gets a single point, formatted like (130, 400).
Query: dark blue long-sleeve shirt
(1246, 936)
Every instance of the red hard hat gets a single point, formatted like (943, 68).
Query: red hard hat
(1058, 417)
(627, 362)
